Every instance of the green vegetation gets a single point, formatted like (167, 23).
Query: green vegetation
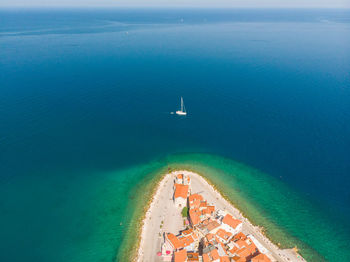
(184, 212)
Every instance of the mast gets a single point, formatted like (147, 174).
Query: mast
(182, 111)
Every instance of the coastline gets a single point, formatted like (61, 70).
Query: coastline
(279, 253)
(130, 254)
(147, 214)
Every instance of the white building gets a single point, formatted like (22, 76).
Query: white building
(181, 193)
(231, 224)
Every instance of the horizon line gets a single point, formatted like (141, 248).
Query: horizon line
(167, 7)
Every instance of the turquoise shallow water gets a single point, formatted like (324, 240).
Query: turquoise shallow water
(85, 123)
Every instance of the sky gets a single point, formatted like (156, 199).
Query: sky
(179, 3)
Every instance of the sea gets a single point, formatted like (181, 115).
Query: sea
(87, 98)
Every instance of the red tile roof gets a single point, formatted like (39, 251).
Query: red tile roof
(212, 225)
(187, 232)
(186, 241)
(180, 256)
(260, 258)
(209, 236)
(224, 234)
(193, 256)
(230, 221)
(214, 254)
(211, 256)
(206, 258)
(181, 241)
(239, 235)
(174, 241)
(224, 259)
(195, 200)
(211, 209)
(195, 216)
(241, 243)
(247, 252)
(233, 250)
(181, 191)
(203, 204)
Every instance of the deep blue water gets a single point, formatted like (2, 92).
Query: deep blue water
(83, 92)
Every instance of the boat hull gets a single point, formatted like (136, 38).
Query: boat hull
(181, 113)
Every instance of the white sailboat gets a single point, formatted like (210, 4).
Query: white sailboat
(182, 111)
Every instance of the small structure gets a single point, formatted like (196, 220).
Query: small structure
(210, 240)
(179, 179)
(184, 256)
(208, 226)
(211, 256)
(224, 236)
(260, 258)
(192, 257)
(194, 214)
(194, 201)
(187, 240)
(187, 181)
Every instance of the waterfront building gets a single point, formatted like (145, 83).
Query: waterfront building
(180, 195)
(231, 224)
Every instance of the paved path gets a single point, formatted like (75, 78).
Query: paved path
(162, 210)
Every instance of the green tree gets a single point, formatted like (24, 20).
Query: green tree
(184, 212)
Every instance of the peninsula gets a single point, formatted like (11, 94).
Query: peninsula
(188, 220)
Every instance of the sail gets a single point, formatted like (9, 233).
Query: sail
(182, 110)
